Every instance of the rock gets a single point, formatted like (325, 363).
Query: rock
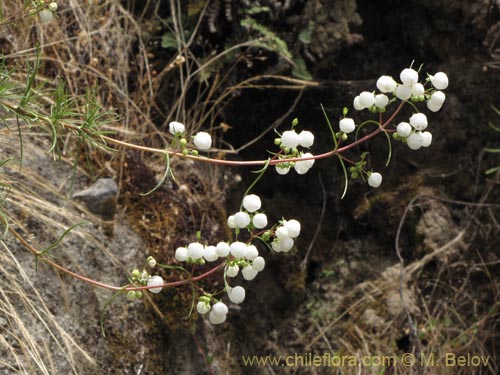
(100, 198)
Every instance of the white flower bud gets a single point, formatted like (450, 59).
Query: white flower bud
(154, 281)
(282, 169)
(306, 138)
(216, 319)
(386, 84)
(252, 202)
(210, 254)
(414, 140)
(366, 99)
(417, 89)
(249, 273)
(439, 80)
(433, 107)
(409, 77)
(286, 244)
(202, 307)
(418, 121)
(381, 100)
(281, 232)
(251, 252)
(301, 167)
(236, 294)
(202, 141)
(232, 271)
(175, 127)
(356, 104)
(404, 129)
(220, 309)
(258, 264)
(259, 221)
(437, 98)
(293, 228)
(52, 6)
(45, 15)
(375, 179)
(230, 222)
(195, 250)
(238, 249)
(403, 92)
(222, 249)
(426, 139)
(241, 219)
(347, 125)
(290, 139)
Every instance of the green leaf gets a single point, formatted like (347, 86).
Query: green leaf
(169, 41)
(492, 170)
(300, 69)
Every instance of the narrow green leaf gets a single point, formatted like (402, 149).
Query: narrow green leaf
(167, 172)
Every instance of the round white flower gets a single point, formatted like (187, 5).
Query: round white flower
(381, 100)
(403, 92)
(347, 125)
(252, 202)
(195, 250)
(202, 141)
(45, 15)
(357, 106)
(426, 139)
(417, 89)
(286, 244)
(216, 319)
(232, 271)
(293, 227)
(290, 139)
(281, 232)
(230, 222)
(282, 169)
(437, 98)
(375, 179)
(306, 138)
(301, 167)
(202, 307)
(222, 249)
(220, 309)
(409, 77)
(210, 254)
(404, 129)
(236, 294)
(366, 99)
(241, 219)
(251, 252)
(418, 121)
(258, 264)
(415, 140)
(238, 249)
(155, 281)
(181, 254)
(249, 273)
(433, 107)
(175, 127)
(439, 80)
(52, 6)
(386, 84)
(259, 221)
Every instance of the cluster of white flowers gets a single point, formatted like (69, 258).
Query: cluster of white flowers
(289, 142)
(47, 14)
(285, 235)
(202, 140)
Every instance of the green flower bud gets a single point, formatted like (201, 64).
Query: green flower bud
(295, 122)
(185, 152)
(194, 152)
(344, 136)
(136, 274)
(277, 141)
(131, 295)
(183, 142)
(138, 294)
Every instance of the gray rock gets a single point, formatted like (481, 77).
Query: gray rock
(100, 198)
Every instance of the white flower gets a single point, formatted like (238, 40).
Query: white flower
(238, 249)
(249, 273)
(259, 221)
(202, 307)
(155, 281)
(210, 254)
(381, 100)
(251, 252)
(252, 202)
(426, 139)
(195, 250)
(175, 127)
(347, 125)
(433, 107)
(232, 271)
(418, 121)
(218, 313)
(437, 98)
(181, 254)
(366, 99)
(222, 249)
(357, 106)
(230, 222)
(375, 179)
(409, 77)
(216, 319)
(404, 129)
(301, 167)
(281, 169)
(439, 80)
(236, 294)
(290, 139)
(293, 227)
(202, 141)
(45, 15)
(52, 6)
(386, 84)
(281, 232)
(414, 140)
(241, 219)
(258, 264)
(286, 244)
(306, 138)
(403, 92)
(417, 89)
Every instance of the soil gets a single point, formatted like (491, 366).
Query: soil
(347, 295)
